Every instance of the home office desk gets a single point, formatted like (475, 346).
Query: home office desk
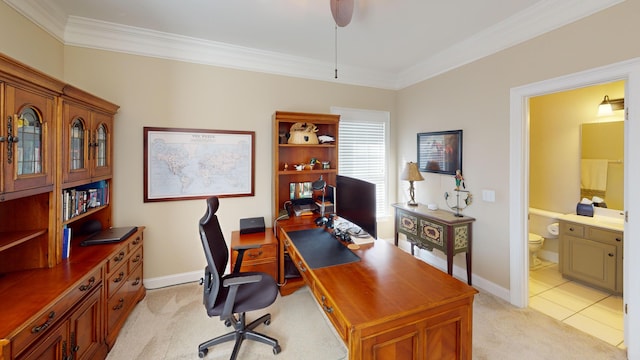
(388, 304)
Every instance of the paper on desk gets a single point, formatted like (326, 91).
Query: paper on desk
(362, 240)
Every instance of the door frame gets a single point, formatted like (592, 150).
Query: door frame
(519, 183)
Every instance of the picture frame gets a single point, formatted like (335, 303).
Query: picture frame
(185, 164)
(440, 151)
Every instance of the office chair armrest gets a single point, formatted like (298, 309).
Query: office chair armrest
(241, 249)
(240, 280)
(234, 282)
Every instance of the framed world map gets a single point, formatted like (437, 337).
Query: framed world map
(184, 164)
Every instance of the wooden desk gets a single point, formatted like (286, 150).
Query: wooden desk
(435, 229)
(390, 305)
(263, 259)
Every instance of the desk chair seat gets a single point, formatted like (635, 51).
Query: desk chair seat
(231, 296)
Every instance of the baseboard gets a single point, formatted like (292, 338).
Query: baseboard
(170, 280)
(460, 273)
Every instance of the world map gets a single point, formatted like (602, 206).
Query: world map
(197, 164)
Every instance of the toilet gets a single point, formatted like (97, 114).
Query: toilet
(542, 225)
(535, 243)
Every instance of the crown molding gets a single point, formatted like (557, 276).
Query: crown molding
(541, 18)
(538, 19)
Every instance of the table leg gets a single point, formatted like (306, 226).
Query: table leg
(469, 267)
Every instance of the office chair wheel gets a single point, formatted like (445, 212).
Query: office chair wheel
(267, 322)
(276, 350)
(202, 353)
(227, 323)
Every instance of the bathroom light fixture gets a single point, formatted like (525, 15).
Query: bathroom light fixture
(607, 106)
(411, 173)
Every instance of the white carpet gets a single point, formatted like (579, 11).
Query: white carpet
(170, 323)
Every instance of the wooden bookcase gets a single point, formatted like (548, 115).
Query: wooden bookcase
(286, 156)
(56, 140)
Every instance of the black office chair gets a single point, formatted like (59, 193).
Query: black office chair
(235, 293)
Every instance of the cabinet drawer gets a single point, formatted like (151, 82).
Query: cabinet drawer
(135, 241)
(51, 315)
(117, 259)
(299, 264)
(266, 267)
(332, 312)
(116, 279)
(260, 254)
(573, 229)
(124, 298)
(611, 237)
(135, 259)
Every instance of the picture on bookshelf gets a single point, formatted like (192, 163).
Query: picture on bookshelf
(181, 164)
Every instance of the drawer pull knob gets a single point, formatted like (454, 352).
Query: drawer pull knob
(301, 267)
(137, 281)
(618, 239)
(119, 257)
(326, 308)
(254, 255)
(571, 229)
(46, 324)
(119, 278)
(611, 255)
(119, 305)
(137, 241)
(88, 285)
(136, 259)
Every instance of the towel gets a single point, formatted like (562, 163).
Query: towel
(593, 174)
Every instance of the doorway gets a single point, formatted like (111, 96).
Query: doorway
(519, 183)
(564, 128)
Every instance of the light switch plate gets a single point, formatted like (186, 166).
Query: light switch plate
(489, 195)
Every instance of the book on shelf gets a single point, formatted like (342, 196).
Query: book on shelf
(80, 199)
(66, 242)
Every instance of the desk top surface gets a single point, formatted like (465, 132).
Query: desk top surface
(439, 214)
(386, 282)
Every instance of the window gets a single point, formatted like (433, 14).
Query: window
(362, 149)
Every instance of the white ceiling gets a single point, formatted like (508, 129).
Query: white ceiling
(388, 44)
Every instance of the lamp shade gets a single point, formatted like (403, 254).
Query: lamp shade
(411, 172)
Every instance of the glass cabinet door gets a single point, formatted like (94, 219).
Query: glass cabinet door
(29, 146)
(29, 152)
(77, 144)
(101, 146)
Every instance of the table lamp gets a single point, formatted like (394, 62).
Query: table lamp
(411, 173)
(320, 184)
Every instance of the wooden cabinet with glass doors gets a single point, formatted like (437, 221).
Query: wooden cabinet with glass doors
(86, 136)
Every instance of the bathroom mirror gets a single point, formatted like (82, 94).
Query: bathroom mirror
(602, 162)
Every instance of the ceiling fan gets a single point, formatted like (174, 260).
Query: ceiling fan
(342, 11)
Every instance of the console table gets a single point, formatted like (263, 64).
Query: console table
(435, 229)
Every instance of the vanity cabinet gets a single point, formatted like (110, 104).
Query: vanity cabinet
(591, 255)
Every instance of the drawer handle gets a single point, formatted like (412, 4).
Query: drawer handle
(136, 259)
(119, 278)
(119, 257)
(618, 239)
(46, 324)
(254, 255)
(89, 285)
(137, 240)
(119, 305)
(136, 282)
(326, 308)
(611, 255)
(571, 229)
(301, 267)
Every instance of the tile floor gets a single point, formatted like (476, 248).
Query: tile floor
(592, 311)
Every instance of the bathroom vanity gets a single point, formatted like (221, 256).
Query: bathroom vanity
(591, 251)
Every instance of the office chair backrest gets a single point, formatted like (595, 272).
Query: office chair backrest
(215, 250)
